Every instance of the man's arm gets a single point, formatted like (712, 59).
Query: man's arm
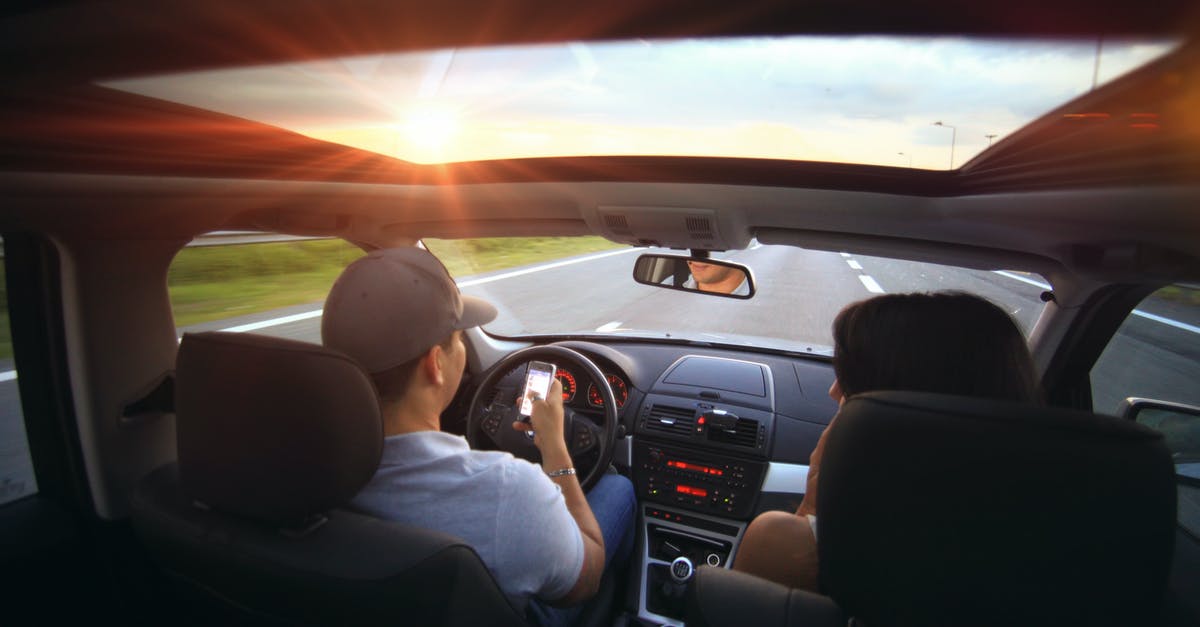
(547, 423)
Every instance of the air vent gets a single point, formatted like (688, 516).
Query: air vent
(696, 225)
(746, 433)
(618, 224)
(667, 419)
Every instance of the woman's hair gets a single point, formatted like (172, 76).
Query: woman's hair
(945, 342)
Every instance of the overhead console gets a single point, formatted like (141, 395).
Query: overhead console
(669, 227)
(704, 435)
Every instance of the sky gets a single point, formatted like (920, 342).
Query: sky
(867, 100)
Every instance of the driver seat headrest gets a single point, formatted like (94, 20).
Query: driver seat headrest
(270, 429)
(938, 510)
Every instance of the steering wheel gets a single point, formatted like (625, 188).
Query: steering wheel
(495, 419)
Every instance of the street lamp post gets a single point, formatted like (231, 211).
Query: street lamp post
(990, 138)
(953, 137)
(909, 157)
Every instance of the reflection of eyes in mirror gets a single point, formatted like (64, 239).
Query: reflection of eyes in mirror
(719, 278)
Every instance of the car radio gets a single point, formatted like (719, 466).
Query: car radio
(719, 485)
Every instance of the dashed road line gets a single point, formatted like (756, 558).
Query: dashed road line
(854, 264)
(610, 326)
(870, 284)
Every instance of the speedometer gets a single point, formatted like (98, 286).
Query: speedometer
(618, 388)
(568, 384)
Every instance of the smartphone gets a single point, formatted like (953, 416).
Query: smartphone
(538, 380)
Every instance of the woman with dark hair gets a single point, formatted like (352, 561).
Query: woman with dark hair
(943, 342)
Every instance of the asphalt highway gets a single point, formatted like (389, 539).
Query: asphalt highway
(798, 294)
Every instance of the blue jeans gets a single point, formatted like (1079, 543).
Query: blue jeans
(613, 504)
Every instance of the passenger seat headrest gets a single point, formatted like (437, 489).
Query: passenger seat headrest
(938, 510)
(271, 429)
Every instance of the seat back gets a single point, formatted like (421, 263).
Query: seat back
(940, 510)
(273, 437)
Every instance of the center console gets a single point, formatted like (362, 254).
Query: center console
(699, 455)
(697, 481)
(673, 538)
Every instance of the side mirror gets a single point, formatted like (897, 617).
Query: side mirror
(692, 274)
(1180, 426)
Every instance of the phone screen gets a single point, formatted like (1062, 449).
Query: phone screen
(541, 374)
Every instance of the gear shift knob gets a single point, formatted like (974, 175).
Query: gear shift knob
(682, 570)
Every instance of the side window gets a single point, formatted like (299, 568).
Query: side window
(261, 282)
(1156, 355)
(16, 465)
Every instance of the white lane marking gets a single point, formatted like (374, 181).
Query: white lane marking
(870, 284)
(8, 375)
(1167, 321)
(847, 255)
(548, 266)
(1026, 280)
(854, 264)
(756, 245)
(262, 324)
(1137, 312)
(610, 326)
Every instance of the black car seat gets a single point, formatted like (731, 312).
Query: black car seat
(946, 510)
(274, 437)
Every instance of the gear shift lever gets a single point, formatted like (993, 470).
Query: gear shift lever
(682, 570)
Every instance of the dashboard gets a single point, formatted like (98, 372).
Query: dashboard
(710, 438)
(659, 387)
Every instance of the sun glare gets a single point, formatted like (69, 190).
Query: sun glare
(430, 129)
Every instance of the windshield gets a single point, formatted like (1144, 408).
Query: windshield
(928, 103)
(799, 292)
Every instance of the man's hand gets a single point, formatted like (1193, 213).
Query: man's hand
(547, 424)
(546, 421)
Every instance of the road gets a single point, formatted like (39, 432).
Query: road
(799, 293)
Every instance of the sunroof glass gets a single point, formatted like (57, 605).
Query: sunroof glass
(928, 103)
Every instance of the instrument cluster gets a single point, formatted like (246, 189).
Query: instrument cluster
(590, 397)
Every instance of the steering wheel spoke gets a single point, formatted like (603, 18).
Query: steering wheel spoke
(496, 417)
(584, 434)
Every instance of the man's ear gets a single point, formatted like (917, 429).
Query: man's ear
(431, 365)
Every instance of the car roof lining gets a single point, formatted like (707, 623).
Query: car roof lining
(1112, 232)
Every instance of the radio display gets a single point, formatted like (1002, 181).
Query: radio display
(690, 491)
(704, 470)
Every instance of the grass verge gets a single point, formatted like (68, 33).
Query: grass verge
(215, 282)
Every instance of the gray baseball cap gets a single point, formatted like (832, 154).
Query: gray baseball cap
(392, 305)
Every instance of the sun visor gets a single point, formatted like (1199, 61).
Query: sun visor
(669, 227)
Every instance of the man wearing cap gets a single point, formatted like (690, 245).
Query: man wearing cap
(400, 315)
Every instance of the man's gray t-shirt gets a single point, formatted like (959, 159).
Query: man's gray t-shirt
(514, 516)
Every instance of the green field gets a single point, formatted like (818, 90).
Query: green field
(215, 282)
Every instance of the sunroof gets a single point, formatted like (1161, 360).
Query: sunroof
(928, 103)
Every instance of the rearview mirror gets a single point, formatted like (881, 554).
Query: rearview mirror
(1180, 426)
(692, 274)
